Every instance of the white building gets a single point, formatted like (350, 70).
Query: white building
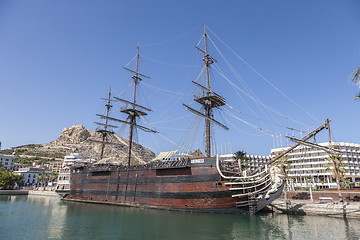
(71, 159)
(63, 181)
(309, 164)
(255, 161)
(30, 174)
(8, 161)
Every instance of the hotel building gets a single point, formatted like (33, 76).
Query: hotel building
(309, 164)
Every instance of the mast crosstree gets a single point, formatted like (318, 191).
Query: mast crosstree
(209, 99)
(133, 111)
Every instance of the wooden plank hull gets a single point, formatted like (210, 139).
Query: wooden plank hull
(197, 187)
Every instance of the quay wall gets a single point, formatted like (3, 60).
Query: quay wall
(308, 208)
(44, 193)
(348, 195)
(14, 192)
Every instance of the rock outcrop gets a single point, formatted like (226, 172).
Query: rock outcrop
(88, 143)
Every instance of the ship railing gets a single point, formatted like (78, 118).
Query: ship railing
(237, 175)
(251, 188)
(172, 164)
(253, 192)
(244, 188)
(255, 180)
(100, 169)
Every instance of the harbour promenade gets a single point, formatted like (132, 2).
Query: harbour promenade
(319, 203)
(306, 207)
(47, 193)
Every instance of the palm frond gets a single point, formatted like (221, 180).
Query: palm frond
(357, 96)
(356, 76)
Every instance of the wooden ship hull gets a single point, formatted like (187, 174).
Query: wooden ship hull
(189, 185)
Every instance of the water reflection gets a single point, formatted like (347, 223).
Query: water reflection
(35, 217)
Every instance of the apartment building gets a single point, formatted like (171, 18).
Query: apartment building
(8, 161)
(308, 165)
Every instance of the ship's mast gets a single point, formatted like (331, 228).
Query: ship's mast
(104, 132)
(108, 107)
(208, 110)
(210, 100)
(132, 111)
(133, 116)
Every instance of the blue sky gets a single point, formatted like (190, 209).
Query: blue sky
(58, 58)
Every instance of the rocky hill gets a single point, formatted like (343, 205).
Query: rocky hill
(78, 139)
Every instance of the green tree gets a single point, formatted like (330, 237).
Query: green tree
(337, 167)
(9, 179)
(284, 166)
(310, 182)
(4, 179)
(39, 178)
(241, 157)
(356, 79)
(346, 184)
(45, 179)
(53, 176)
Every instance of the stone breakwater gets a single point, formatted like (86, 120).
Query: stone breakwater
(335, 209)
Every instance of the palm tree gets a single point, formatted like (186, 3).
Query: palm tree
(284, 165)
(356, 79)
(53, 177)
(337, 167)
(45, 179)
(241, 157)
(39, 179)
(310, 182)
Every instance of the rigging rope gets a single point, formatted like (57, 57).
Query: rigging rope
(125, 89)
(238, 129)
(281, 114)
(202, 37)
(170, 64)
(245, 86)
(131, 61)
(174, 119)
(171, 39)
(162, 90)
(202, 70)
(256, 127)
(280, 125)
(262, 77)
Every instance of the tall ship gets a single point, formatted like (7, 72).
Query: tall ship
(208, 183)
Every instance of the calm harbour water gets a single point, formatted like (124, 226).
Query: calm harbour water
(36, 217)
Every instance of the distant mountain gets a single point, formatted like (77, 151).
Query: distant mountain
(78, 139)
